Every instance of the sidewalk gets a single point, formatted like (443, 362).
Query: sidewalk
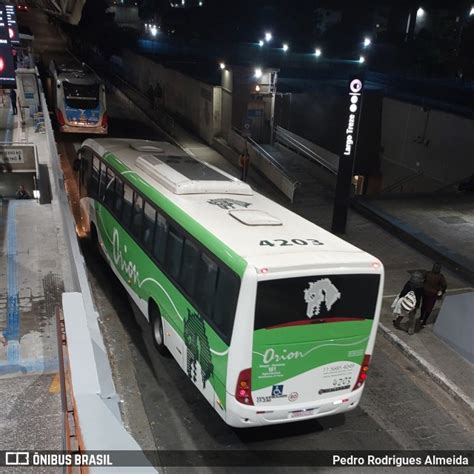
(440, 226)
(440, 362)
(33, 265)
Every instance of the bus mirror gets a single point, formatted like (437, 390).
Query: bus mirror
(76, 166)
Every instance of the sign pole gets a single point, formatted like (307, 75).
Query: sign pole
(347, 156)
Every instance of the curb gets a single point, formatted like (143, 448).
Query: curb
(433, 373)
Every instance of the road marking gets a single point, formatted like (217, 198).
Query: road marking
(55, 386)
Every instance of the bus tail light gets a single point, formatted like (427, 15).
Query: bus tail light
(105, 120)
(363, 372)
(243, 391)
(60, 117)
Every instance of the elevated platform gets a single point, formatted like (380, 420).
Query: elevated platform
(442, 227)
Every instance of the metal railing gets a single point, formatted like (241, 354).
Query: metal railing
(267, 164)
(401, 182)
(294, 143)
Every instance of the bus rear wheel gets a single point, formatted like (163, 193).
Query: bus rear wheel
(94, 241)
(157, 330)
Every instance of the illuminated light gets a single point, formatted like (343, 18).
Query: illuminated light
(258, 73)
(261, 43)
(154, 30)
(471, 13)
(420, 13)
(2, 64)
(201, 4)
(367, 42)
(36, 193)
(318, 52)
(257, 88)
(11, 33)
(285, 47)
(268, 36)
(264, 270)
(361, 60)
(222, 66)
(337, 402)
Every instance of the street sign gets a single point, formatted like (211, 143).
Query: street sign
(347, 155)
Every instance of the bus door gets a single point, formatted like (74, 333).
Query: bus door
(310, 336)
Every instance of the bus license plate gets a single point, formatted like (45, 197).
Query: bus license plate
(298, 414)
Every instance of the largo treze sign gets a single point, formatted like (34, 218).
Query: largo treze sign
(347, 155)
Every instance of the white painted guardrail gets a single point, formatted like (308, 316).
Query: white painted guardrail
(97, 403)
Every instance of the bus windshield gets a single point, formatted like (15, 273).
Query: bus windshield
(79, 96)
(315, 299)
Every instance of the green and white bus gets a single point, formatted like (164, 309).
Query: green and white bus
(271, 317)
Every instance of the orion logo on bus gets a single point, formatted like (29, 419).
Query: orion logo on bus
(125, 266)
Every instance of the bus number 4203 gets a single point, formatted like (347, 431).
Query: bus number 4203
(287, 243)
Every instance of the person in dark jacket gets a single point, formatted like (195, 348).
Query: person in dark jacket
(434, 288)
(13, 100)
(415, 284)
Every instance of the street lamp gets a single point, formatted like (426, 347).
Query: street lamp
(361, 59)
(420, 13)
(285, 47)
(367, 42)
(261, 43)
(222, 66)
(318, 52)
(258, 73)
(471, 13)
(268, 36)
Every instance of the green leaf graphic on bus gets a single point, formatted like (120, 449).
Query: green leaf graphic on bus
(198, 350)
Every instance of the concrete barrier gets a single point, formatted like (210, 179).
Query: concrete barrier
(455, 324)
(93, 389)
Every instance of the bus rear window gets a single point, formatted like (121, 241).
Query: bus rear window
(80, 96)
(315, 299)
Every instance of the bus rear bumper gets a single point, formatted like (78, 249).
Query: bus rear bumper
(244, 416)
(84, 129)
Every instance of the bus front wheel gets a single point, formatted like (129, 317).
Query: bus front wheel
(157, 329)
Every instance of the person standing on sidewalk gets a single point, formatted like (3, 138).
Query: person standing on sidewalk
(244, 162)
(408, 301)
(13, 100)
(434, 288)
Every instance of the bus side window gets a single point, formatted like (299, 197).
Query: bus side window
(225, 301)
(206, 284)
(94, 181)
(102, 181)
(161, 234)
(118, 200)
(149, 218)
(189, 266)
(137, 218)
(110, 188)
(174, 252)
(127, 206)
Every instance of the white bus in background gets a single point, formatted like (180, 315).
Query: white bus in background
(78, 97)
